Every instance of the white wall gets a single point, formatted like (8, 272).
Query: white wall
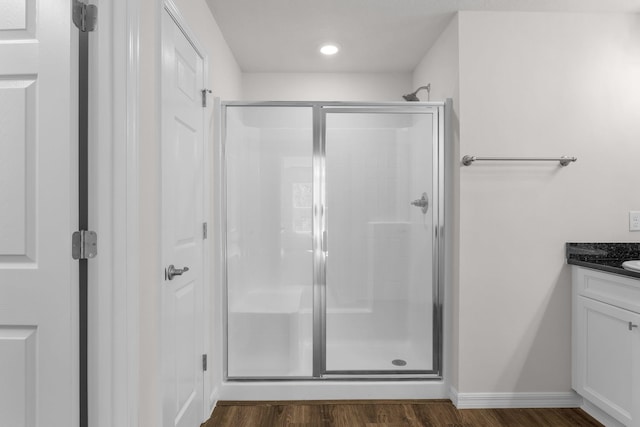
(539, 84)
(440, 68)
(224, 80)
(524, 84)
(326, 86)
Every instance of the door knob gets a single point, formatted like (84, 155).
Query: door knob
(423, 203)
(172, 272)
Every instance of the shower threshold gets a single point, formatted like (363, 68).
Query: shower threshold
(344, 377)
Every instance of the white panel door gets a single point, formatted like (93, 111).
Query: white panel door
(38, 212)
(182, 219)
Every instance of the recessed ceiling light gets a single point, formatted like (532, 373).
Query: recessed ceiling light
(329, 49)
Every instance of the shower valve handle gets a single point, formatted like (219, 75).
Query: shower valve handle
(423, 203)
(172, 272)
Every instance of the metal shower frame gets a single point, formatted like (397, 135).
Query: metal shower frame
(319, 111)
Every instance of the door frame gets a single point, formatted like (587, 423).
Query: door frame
(174, 12)
(113, 213)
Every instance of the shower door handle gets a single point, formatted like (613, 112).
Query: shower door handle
(423, 203)
(324, 241)
(172, 272)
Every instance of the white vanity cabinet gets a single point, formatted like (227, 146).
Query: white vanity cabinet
(606, 343)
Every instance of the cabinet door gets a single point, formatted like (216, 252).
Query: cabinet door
(608, 349)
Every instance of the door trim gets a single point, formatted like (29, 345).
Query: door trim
(113, 213)
(181, 22)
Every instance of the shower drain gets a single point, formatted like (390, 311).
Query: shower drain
(399, 362)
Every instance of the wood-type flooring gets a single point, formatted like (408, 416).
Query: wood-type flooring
(387, 413)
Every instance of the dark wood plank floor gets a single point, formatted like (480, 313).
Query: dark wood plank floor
(388, 413)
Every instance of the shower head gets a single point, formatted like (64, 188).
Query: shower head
(412, 97)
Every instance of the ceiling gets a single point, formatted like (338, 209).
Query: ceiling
(374, 35)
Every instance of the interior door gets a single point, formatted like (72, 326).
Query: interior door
(38, 213)
(182, 228)
(380, 224)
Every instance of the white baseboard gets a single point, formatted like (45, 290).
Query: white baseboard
(599, 414)
(515, 400)
(213, 399)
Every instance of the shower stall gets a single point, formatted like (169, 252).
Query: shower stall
(331, 219)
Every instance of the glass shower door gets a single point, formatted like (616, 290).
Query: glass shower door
(380, 232)
(268, 154)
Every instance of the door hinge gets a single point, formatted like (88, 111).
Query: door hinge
(204, 96)
(85, 16)
(205, 231)
(204, 362)
(84, 244)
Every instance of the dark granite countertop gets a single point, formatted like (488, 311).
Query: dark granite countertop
(604, 256)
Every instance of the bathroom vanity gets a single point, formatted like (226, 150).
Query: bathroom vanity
(606, 330)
